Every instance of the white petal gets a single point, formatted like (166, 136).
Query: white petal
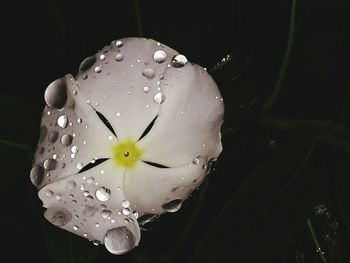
(189, 120)
(123, 90)
(90, 204)
(149, 188)
(72, 135)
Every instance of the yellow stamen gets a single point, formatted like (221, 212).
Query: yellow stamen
(126, 153)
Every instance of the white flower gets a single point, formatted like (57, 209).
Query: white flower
(130, 135)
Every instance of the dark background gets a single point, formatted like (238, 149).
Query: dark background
(43, 40)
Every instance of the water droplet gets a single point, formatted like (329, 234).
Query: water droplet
(125, 203)
(173, 205)
(146, 89)
(49, 193)
(80, 166)
(119, 57)
(62, 121)
(53, 136)
(56, 94)
(97, 224)
(178, 61)
(49, 164)
(71, 185)
(102, 57)
(37, 175)
(87, 63)
(66, 139)
(74, 149)
(159, 56)
(98, 69)
(159, 98)
(79, 120)
(136, 214)
(86, 193)
(85, 76)
(96, 242)
(106, 213)
(118, 114)
(148, 73)
(89, 210)
(75, 92)
(103, 194)
(119, 240)
(195, 161)
(126, 211)
(76, 228)
(58, 216)
(90, 180)
(119, 43)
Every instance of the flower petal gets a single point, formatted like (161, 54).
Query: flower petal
(90, 204)
(149, 189)
(72, 135)
(189, 120)
(122, 82)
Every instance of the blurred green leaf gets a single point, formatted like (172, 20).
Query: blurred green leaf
(270, 205)
(342, 189)
(65, 247)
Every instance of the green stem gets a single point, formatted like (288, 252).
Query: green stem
(275, 92)
(15, 145)
(138, 17)
(315, 240)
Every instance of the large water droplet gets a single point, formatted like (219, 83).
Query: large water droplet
(159, 98)
(159, 56)
(56, 94)
(62, 121)
(178, 61)
(37, 175)
(173, 205)
(53, 136)
(50, 164)
(103, 193)
(98, 69)
(87, 63)
(89, 210)
(119, 240)
(125, 203)
(58, 216)
(148, 73)
(66, 139)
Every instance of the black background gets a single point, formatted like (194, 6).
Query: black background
(43, 40)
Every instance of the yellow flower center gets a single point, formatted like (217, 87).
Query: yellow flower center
(126, 153)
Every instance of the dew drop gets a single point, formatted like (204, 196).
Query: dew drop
(62, 121)
(79, 120)
(50, 164)
(49, 193)
(103, 193)
(106, 213)
(87, 63)
(37, 175)
(159, 98)
(159, 56)
(80, 166)
(126, 211)
(125, 203)
(53, 136)
(58, 216)
(146, 89)
(119, 43)
(178, 61)
(90, 180)
(119, 57)
(98, 69)
(173, 205)
(71, 185)
(102, 57)
(56, 94)
(74, 149)
(148, 73)
(119, 240)
(76, 228)
(66, 139)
